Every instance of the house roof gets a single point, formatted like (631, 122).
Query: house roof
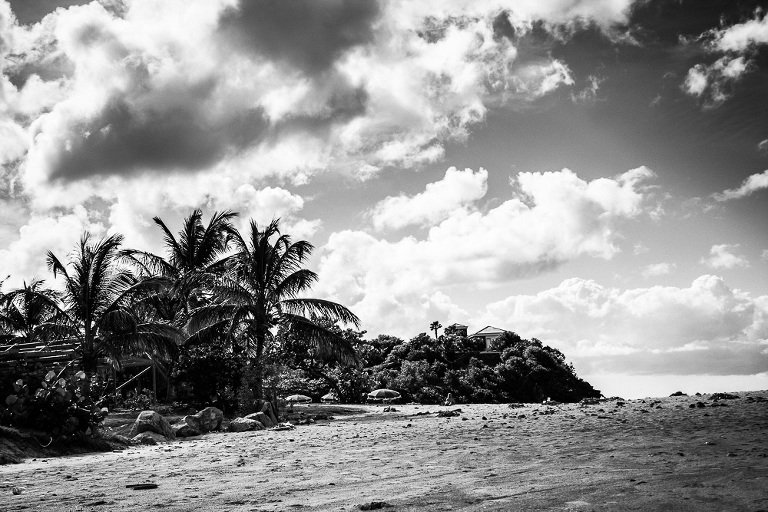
(489, 329)
(460, 326)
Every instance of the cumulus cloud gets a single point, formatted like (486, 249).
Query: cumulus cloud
(722, 257)
(455, 190)
(713, 83)
(192, 86)
(552, 218)
(24, 258)
(751, 185)
(706, 328)
(657, 269)
(762, 146)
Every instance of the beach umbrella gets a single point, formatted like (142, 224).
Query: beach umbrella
(383, 394)
(330, 397)
(298, 399)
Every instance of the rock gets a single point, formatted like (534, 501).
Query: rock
(448, 414)
(723, 396)
(150, 421)
(589, 401)
(374, 505)
(119, 438)
(678, 393)
(700, 405)
(184, 430)
(150, 438)
(244, 424)
(261, 418)
(207, 420)
(266, 408)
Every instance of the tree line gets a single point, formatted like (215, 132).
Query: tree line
(226, 314)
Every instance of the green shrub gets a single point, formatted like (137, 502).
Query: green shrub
(58, 405)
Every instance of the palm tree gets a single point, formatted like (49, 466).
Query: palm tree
(434, 326)
(30, 314)
(187, 262)
(260, 292)
(103, 302)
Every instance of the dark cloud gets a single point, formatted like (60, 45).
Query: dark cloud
(346, 103)
(306, 34)
(123, 139)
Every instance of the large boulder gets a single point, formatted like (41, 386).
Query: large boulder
(151, 421)
(183, 430)
(244, 424)
(261, 418)
(207, 420)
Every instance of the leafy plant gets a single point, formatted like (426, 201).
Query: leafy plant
(54, 404)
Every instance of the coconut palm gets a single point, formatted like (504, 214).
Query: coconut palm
(434, 326)
(261, 292)
(187, 261)
(30, 314)
(103, 302)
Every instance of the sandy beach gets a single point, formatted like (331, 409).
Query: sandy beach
(651, 454)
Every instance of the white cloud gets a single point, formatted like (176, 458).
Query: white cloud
(658, 269)
(654, 330)
(554, 217)
(762, 146)
(742, 36)
(752, 184)
(722, 256)
(439, 199)
(162, 88)
(713, 82)
(588, 94)
(25, 258)
(739, 43)
(764, 255)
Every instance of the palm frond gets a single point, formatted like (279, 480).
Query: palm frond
(327, 344)
(320, 308)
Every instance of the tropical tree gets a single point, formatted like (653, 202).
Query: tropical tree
(104, 304)
(30, 314)
(261, 291)
(434, 326)
(187, 262)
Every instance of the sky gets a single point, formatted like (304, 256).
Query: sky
(590, 173)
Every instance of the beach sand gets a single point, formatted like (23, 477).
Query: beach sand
(652, 454)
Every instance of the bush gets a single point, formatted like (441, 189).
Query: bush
(54, 404)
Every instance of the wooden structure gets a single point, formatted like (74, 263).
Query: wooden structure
(58, 354)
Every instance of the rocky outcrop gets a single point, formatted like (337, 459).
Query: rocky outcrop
(207, 420)
(244, 425)
(151, 421)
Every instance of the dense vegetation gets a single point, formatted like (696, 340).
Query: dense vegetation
(426, 369)
(226, 317)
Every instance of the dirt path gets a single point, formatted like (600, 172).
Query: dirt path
(630, 457)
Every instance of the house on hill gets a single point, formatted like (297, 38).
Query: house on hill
(487, 335)
(457, 330)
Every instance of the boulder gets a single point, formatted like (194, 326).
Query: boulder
(244, 424)
(151, 421)
(261, 418)
(207, 420)
(184, 430)
(148, 437)
(266, 407)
